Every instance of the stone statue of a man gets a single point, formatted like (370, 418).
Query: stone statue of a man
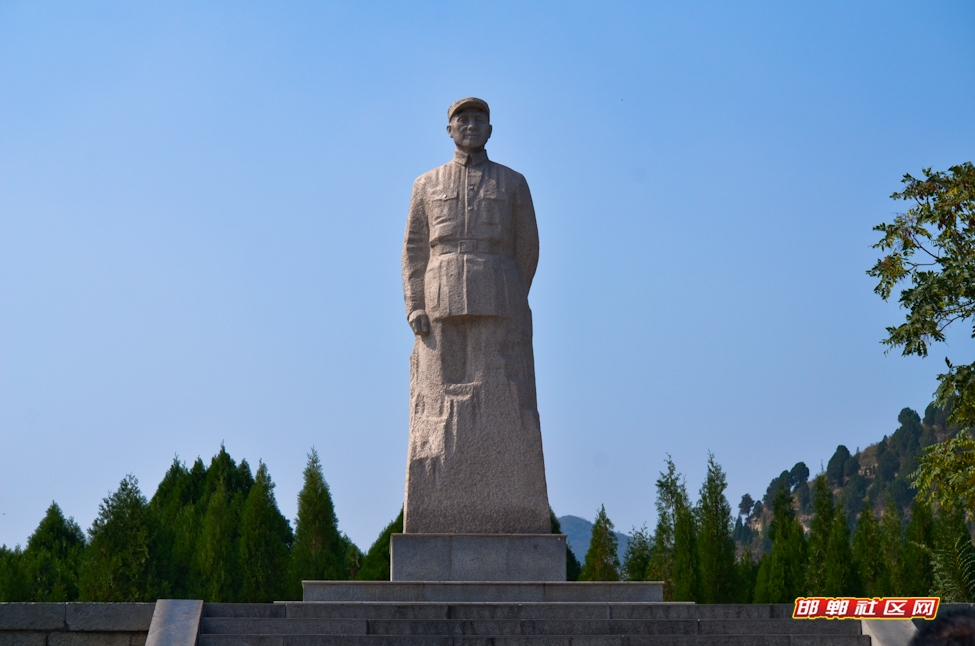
(475, 456)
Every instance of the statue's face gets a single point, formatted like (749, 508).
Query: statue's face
(470, 129)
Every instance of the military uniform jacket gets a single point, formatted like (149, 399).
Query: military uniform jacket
(471, 245)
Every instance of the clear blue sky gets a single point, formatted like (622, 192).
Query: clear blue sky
(202, 207)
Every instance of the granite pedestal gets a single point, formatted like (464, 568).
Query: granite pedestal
(483, 592)
(477, 557)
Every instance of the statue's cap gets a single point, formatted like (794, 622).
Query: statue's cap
(469, 102)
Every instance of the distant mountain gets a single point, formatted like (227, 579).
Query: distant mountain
(579, 531)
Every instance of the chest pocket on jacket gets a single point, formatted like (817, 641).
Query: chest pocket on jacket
(493, 206)
(443, 206)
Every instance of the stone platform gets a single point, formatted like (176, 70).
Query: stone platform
(518, 624)
(477, 557)
(366, 623)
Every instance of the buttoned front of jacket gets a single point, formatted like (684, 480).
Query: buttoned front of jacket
(471, 245)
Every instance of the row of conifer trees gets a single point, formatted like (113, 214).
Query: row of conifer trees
(209, 532)
(693, 551)
(215, 533)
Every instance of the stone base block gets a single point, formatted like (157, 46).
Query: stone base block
(494, 592)
(477, 557)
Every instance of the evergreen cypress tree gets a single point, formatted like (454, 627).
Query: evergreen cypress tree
(319, 552)
(636, 559)
(869, 555)
(220, 492)
(216, 572)
(186, 517)
(781, 574)
(671, 492)
(13, 583)
(265, 541)
(716, 546)
(235, 479)
(686, 563)
(375, 564)
(919, 576)
(842, 579)
(742, 533)
(173, 508)
(892, 547)
(353, 557)
(836, 466)
(52, 558)
(746, 571)
(760, 594)
(602, 561)
(573, 568)
(117, 564)
(824, 517)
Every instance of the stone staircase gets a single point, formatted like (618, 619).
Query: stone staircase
(399, 623)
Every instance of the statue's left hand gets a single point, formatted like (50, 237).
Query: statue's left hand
(420, 323)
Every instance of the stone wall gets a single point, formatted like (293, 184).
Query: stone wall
(74, 624)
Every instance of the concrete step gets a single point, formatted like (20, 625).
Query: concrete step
(610, 627)
(521, 640)
(447, 627)
(517, 624)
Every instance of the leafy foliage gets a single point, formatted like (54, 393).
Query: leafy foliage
(946, 473)
(953, 563)
(932, 246)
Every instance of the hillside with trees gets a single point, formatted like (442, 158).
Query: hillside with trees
(880, 475)
(848, 531)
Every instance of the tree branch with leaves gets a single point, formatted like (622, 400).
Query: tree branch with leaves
(932, 247)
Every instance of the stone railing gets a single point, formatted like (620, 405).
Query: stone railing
(75, 624)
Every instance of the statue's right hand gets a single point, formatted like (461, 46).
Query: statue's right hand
(420, 323)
